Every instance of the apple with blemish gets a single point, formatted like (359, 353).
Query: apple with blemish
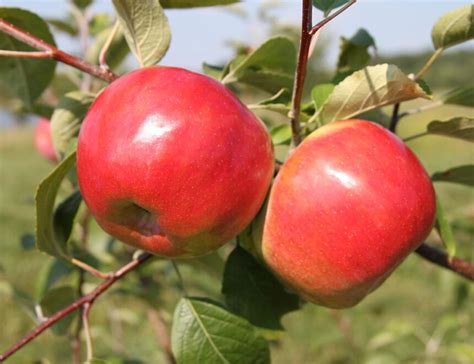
(170, 161)
(43, 141)
(345, 210)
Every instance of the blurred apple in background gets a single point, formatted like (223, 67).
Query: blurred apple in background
(43, 140)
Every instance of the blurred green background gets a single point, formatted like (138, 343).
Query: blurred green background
(422, 314)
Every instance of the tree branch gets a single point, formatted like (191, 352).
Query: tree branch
(56, 53)
(438, 257)
(87, 299)
(307, 32)
(161, 331)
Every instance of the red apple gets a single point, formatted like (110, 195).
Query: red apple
(170, 161)
(346, 208)
(43, 140)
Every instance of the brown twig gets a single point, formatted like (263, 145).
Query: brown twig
(395, 118)
(87, 299)
(307, 32)
(76, 338)
(39, 55)
(161, 331)
(438, 257)
(56, 53)
(87, 330)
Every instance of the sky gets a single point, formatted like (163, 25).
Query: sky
(200, 35)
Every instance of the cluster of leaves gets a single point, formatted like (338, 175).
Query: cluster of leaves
(205, 330)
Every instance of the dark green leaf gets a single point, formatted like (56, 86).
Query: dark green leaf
(64, 26)
(49, 275)
(354, 52)
(67, 118)
(444, 229)
(281, 134)
(463, 96)
(213, 71)
(64, 215)
(424, 86)
(25, 78)
(454, 27)
(46, 239)
(27, 241)
(327, 5)
(146, 29)
(463, 175)
(320, 94)
(461, 127)
(55, 300)
(83, 3)
(270, 67)
(281, 97)
(369, 89)
(117, 51)
(194, 3)
(254, 293)
(205, 332)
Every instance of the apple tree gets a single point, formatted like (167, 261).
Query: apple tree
(316, 202)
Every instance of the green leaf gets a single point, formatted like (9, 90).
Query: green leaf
(369, 89)
(28, 242)
(64, 26)
(454, 27)
(463, 96)
(320, 94)
(67, 118)
(64, 215)
(83, 3)
(49, 275)
(100, 22)
(213, 71)
(327, 5)
(146, 29)
(463, 175)
(424, 86)
(354, 52)
(117, 51)
(55, 300)
(444, 229)
(205, 332)
(460, 127)
(270, 67)
(281, 134)
(46, 238)
(194, 4)
(25, 78)
(254, 293)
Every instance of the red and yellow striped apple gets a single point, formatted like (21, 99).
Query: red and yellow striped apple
(170, 161)
(345, 210)
(43, 141)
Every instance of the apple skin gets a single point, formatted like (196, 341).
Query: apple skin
(345, 210)
(43, 140)
(170, 161)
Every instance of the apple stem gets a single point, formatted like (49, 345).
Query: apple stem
(54, 52)
(180, 277)
(103, 52)
(438, 257)
(307, 32)
(81, 302)
(95, 272)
